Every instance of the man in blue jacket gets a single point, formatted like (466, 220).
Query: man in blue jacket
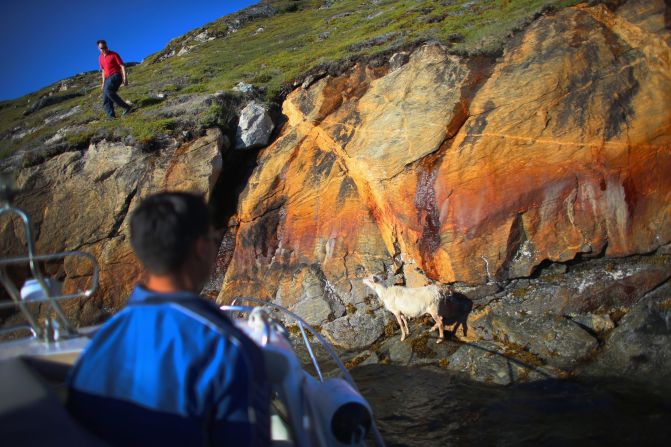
(171, 368)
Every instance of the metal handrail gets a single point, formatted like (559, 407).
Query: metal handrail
(47, 298)
(346, 375)
(18, 327)
(314, 333)
(6, 194)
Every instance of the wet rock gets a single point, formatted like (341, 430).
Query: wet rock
(254, 128)
(558, 341)
(490, 363)
(639, 348)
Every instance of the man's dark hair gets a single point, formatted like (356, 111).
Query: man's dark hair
(101, 41)
(164, 227)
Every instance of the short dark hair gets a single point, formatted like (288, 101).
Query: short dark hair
(164, 227)
(101, 41)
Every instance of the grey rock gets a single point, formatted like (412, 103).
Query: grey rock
(354, 331)
(243, 87)
(557, 340)
(62, 133)
(372, 359)
(203, 37)
(50, 100)
(62, 115)
(186, 49)
(664, 250)
(594, 322)
(398, 60)
(254, 128)
(340, 16)
(398, 351)
(378, 40)
(480, 295)
(184, 106)
(314, 311)
(639, 348)
(487, 362)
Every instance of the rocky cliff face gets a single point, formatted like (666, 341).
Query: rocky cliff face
(536, 182)
(475, 171)
(81, 200)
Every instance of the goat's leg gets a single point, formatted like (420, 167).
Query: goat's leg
(405, 320)
(400, 323)
(439, 322)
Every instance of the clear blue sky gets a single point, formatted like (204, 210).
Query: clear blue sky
(42, 41)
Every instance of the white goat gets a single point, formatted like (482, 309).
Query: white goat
(409, 302)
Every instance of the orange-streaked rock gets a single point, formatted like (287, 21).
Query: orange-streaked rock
(472, 169)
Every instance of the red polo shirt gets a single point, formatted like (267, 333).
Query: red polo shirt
(110, 63)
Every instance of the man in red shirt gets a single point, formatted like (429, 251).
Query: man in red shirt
(113, 75)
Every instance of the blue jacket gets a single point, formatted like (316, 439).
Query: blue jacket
(172, 369)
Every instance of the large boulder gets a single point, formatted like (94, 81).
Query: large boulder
(254, 127)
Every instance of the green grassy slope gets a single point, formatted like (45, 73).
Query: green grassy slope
(268, 45)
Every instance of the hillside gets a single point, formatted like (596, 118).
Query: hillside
(271, 46)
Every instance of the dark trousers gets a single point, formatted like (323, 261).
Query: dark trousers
(110, 96)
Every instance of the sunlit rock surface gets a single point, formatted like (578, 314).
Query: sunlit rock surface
(477, 170)
(82, 201)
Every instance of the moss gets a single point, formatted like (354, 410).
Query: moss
(657, 260)
(443, 363)
(520, 292)
(421, 348)
(294, 331)
(356, 361)
(520, 353)
(80, 139)
(351, 309)
(617, 314)
(390, 329)
(665, 305)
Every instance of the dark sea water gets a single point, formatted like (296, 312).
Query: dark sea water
(432, 407)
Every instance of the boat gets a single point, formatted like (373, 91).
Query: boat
(310, 408)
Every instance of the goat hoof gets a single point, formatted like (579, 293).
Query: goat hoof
(440, 340)
(402, 337)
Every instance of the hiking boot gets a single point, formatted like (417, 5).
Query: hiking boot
(127, 111)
